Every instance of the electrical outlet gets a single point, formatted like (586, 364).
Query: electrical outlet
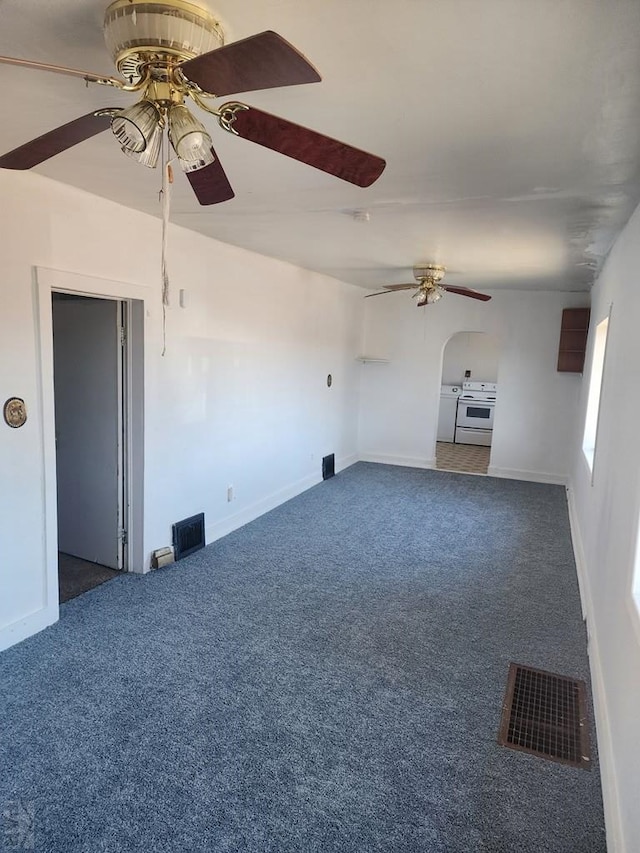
(229, 493)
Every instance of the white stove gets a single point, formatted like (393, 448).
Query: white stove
(474, 418)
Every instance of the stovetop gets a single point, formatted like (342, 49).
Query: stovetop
(486, 391)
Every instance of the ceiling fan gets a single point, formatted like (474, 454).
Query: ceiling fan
(429, 288)
(171, 50)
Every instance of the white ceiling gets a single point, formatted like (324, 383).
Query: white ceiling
(511, 130)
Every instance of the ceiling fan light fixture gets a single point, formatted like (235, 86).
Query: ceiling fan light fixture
(433, 294)
(135, 126)
(190, 139)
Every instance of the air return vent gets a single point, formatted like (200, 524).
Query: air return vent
(545, 714)
(188, 536)
(328, 466)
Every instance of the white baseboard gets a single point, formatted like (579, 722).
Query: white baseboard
(612, 816)
(508, 473)
(530, 476)
(255, 510)
(406, 461)
(346, 462)
(578, 553)
(28, 625)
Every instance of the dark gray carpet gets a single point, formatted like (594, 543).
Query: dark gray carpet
(76, 576)
(327, 678)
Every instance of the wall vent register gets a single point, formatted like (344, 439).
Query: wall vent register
(328, 466)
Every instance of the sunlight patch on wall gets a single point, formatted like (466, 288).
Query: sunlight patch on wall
(595, 390)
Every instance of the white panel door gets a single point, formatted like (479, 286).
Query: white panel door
(88, 405)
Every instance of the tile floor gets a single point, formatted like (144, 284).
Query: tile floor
(76, 576)
(470, 458)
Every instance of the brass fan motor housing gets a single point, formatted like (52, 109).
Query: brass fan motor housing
(432, 273)
(157, 36)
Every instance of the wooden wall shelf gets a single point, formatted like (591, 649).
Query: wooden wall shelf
(573, 340)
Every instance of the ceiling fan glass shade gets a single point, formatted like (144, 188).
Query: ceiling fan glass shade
(134, 127)
(148, 157)
(135, 27)
(190, 139)
(193, 165)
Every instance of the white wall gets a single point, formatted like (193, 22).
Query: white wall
(605, 518)
(536, 406)
(240, 397)
(474, 351)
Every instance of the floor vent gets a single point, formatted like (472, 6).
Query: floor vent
(545, 714)
(328, 466)
(188, 536)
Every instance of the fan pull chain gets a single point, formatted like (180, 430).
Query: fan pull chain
(165, 198)
(166, 207)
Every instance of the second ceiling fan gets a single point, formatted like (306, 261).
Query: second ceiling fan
(172, 50)
(428, 286)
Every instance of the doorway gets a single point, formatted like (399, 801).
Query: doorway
(461, 444)
(90, 356)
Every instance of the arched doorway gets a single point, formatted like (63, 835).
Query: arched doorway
(467, 357)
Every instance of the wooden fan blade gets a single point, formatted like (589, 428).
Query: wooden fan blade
(324, 153)
(210, 184)
(412, 286)
(89, 76)
(55, 141)
(390, 288)
(466, 291)
(263, 61)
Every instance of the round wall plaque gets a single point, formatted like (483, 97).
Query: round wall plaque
(15, 412)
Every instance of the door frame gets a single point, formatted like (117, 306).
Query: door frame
(124, 434)
(136, 299)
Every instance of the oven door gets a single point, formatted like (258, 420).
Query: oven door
(466, 435)
(475, 414)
